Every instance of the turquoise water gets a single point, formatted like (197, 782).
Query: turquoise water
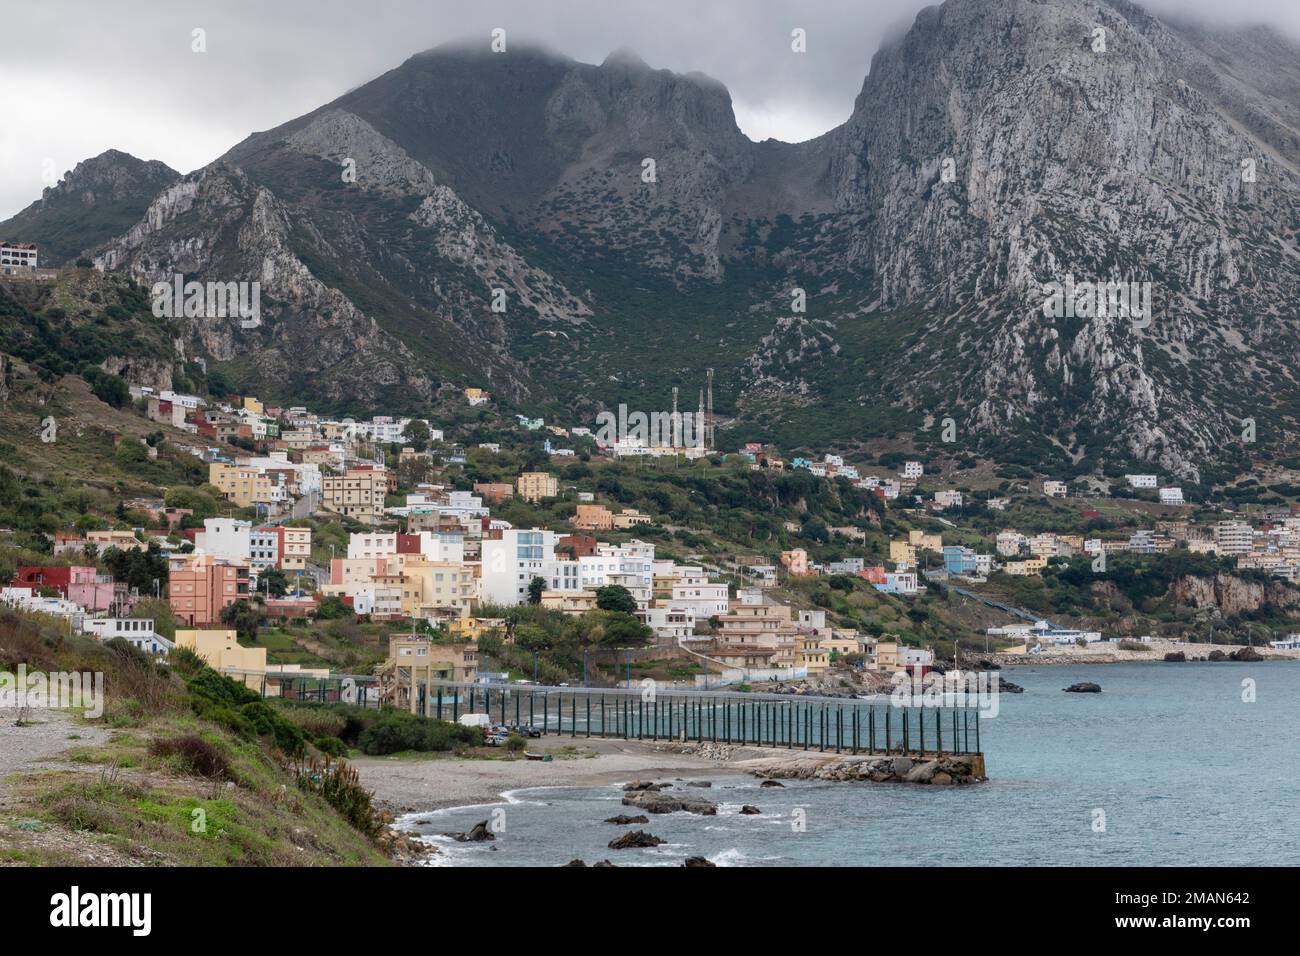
(1183, 770)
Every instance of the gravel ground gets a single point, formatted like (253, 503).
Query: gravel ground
(45, 735)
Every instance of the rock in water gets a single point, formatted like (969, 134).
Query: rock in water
(1083, 687)
(477, 834)
(771, 783)
(652, 801)
(637, 839)
(750, 811)
(1247, 654)
(623, 819)
(1175, 657)
(698, 861)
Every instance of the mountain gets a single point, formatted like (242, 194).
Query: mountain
(100, 199)
(574, 235)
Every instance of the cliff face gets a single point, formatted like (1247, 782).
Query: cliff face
(1232, 595)
(1140, 161)
(503, 227)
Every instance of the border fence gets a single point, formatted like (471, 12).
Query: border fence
(763, 720)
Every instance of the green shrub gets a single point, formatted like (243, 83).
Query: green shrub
(331, 745)
(193, 755)
(396, 731)
(340, 785)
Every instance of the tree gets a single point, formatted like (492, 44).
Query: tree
(417, 434)
(624, 630)
(535, 588)
(243, 617)
(615, 597)
(274, 582)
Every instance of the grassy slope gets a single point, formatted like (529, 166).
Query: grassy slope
(116, 803)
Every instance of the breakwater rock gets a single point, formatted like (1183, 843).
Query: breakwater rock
(944, 770)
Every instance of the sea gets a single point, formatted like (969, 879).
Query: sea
(1170, 765)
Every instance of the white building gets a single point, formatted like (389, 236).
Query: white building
(139, 632)
(1010, 543)
(1141, 481)
(671, 621)
(912, 470)
(17, 255)
(264, 547)
(1171, 496)
(227, 538)
(510, 563)
(1233, 537)
(1055, 489)
(948, 499)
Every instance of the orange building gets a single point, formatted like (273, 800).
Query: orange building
(203, 585)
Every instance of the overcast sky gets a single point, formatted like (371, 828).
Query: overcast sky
(83, 76)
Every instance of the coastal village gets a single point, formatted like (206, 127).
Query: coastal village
(422, 554)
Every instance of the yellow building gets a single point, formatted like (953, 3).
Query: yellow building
(295, 548)
(242, 485)
(572, 603)
(1026, 568)
(536, 485)
(472, 628)
(415, 661)
(358, 494)
(438, 589)
(842, 646)
(252, 405)
(810, 654)
(122, 540)
(630, 518)
(224, 654)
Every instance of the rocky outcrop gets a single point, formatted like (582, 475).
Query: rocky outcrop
(654, 801)
(698, 861)
(1083, 687)
(623, 819)
(636, 839)
(948, 770)
(479, 833)
(1231, 595)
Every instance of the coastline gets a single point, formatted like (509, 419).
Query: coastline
(424, 783)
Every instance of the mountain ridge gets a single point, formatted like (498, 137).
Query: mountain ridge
(992, 150)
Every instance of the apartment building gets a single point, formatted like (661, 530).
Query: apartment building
(201, 585)
(536, 485)
(358, 493)
(225, 538)
(1233, 537)
(768, 628)
(245, 486)
(510, 562)
(293, 547)
(593, 518)
(414, 663)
